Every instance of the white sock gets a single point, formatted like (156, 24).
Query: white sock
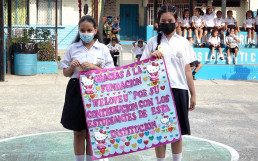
(198, 40)
(89, 158)
(249, 40)
(79, 157)
(177, 157)
(160, 159)
(253, 41)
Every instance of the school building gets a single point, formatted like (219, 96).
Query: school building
(136, 16)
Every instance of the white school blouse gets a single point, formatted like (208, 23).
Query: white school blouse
(113, 48)
(197, 20)
(209, 20)
(185, 22)
(230, 21)
(249, 22)
(98, 54)
(219, 22)
(177, 52)
(138, 50)
(214, 40)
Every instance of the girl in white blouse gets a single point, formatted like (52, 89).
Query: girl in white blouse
(249, 27)
(89, 54)
(178, 54)
(185, 24)
(198, 24)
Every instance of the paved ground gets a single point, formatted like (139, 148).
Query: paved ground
(226, 112)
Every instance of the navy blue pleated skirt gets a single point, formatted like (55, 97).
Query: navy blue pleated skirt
(182, 103)
(73, 116)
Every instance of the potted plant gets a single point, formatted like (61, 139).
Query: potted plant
(25, 53)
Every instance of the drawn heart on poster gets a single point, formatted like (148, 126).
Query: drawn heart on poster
(162, 87)
(112, 141)
(170, 129)
(147, 133)
(88, 105)
(116, 146)
(117, 140)
(135, 136)
(139, 141)
(141, 135)
(134, 145)
(152, 132)
(103, 151)
(159, 138)
(92, 96)
(122, 147)
(98, 88)
(127, 143)
(155, 82)
(123, 139)
(145, 78)
(146, 142)
(157, 130)
(129, 138)
(151, 138)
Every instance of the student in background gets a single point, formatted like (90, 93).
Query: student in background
(139, 48)
(198, 24)
(250, 27)
(256, 26)
(114, 50)
(230, 22)
(214, 42)
(186, 24)
(208, 22)
(232, 44)
(195, 65)
(108, 30)
(115, 28)
(219, 25)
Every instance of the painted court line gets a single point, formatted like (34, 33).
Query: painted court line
(233, 152)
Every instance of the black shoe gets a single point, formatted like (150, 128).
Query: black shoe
(194, 77)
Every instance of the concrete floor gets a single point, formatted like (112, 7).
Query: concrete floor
(226, 111)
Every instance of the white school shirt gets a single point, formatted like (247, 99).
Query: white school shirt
(185, 22)
(256, 20)
(177, 53)
(219, 22)
(98, 54)
(138, 50)
(232, 42)
(214, 40)
(197, 20)
(230, 21)
(209, 20)
(113, 48)
(249, 22)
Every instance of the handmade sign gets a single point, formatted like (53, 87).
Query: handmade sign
(129, 108)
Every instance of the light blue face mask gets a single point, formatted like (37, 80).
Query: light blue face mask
(86, 37)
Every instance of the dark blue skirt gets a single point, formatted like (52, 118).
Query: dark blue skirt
(73, 116)
(182, 103)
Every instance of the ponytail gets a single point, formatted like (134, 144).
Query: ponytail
(159, 39)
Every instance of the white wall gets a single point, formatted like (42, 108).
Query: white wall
(33, 11)
(70, 11)
(253, 5)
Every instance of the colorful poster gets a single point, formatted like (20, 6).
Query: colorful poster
(129, 108)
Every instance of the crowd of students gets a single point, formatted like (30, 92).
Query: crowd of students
(203, 23)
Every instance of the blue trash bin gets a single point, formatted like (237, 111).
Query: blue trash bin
(25, 64)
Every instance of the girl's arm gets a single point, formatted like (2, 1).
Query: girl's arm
(89, 66)
(189, 78)
(237, 39)
(134, 43)
(226, 26)
(244, 26)
(193, 24)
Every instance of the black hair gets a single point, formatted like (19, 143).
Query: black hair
(207, 9)
(116, 17)
(200, 11)
(109, 16)
(229, 11)
(251, 13)
(164, 9)
(89, 19)
(213, 31)
(219, 12)
(186, 10)
(228, 31)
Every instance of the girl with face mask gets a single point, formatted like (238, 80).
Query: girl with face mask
(89, 54)
(178, 54)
